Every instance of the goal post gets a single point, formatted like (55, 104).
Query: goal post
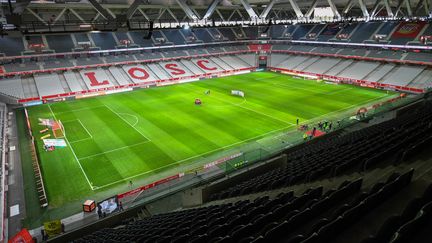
(58, 129)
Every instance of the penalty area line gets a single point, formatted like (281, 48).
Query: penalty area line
(113, 150)
(193, 157)
(73, 152)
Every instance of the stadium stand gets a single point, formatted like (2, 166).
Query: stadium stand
(341, 153)
(104, 40)
(175, 37)
(354, 183)
(386, 28)
(322, 65)
(406, 32)
(60, 43)
(353, 52)
(423, 80)
(394, 208)
(311, 216)
(301, 31)
(203, 34)
(364, 31)
(11, 46)
(420, 56)
(358, 70)
(48, 84)
(277, 31)
(228, 33)
(138, 38)
(380, 72)
(403, 75)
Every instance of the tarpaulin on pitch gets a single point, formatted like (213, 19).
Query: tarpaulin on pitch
(408, 29)
(55, 142)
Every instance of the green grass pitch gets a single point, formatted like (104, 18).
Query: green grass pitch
(116, 138)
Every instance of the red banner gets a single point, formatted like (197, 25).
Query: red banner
(260, 47)
(408, 29)
(151, 185)
(22, 237)
(2, 70)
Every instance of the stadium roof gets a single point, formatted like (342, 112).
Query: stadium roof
(180, 11)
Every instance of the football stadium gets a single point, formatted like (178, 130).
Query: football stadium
(216, 121)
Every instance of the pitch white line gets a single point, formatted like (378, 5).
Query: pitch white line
(113, 150)
(81, 125)
(128, 123)
(258, 112)
(73, 152)
(85, 128)
(193, 157)
(81, 109)
(80, 140)
(337, 91)
(346, 108)
(136, 118)
(221, 148)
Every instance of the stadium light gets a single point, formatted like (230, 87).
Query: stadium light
(186, 27)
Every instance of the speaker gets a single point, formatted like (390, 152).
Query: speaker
(268, 26)
(150, 33)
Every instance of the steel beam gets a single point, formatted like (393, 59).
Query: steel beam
(211, 9)
(188, 11)
(311, 9)
(20, 5)
(363, 9)
(375, 7)
(105, 13)
(408, 7)
(77, 15)
(348, 7)
(388, 8)
(37, 16)
(334, 9)
(267, 9)
(249, 9)
(220, 14)
(172, 14)
(296, 9)
(143, 14)
(59, 15)
(133, 8)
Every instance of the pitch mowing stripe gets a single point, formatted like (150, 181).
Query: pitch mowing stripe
(81, 109)
(85, 128)
(113, 150)
(249, 109)
(198, 155)
(109, 108)
(346, 108)
(73, 152)
(81, 125)
(237, 143)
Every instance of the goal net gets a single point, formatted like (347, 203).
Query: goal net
(237, 93)
(58, 129)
